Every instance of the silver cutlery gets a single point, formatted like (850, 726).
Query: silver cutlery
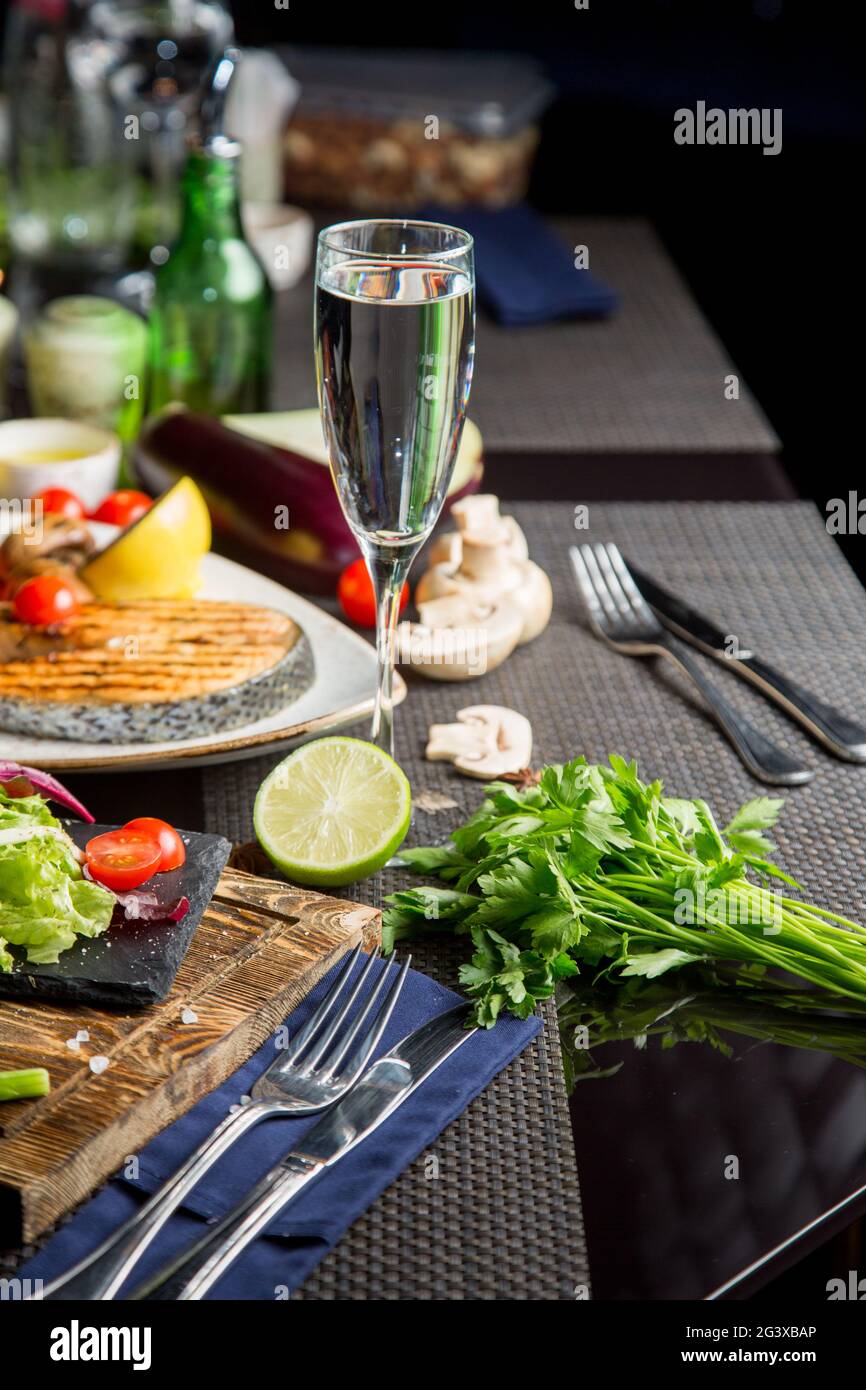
(387, 1084)
(621, 616)
(838, 733)
(319, 1066)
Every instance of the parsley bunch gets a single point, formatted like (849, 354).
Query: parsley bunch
(593, 870)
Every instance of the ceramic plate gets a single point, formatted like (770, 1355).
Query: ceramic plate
(341, 694)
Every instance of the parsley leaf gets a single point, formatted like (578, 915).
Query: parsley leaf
(594, 868)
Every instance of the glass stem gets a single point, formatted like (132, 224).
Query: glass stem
(388, 572)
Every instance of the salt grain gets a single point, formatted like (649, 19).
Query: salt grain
(189, 1016)
(98, 1064)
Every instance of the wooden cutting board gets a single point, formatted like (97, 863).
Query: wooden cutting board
(260, 947)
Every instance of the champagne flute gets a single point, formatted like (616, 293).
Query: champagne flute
(395, 343)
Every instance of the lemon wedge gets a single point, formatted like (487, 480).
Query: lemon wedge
(159, 555)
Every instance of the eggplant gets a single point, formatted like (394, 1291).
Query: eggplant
(250, 467)
(245, 483)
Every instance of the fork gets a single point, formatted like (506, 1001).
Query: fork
(318, 1067)
(621, 616)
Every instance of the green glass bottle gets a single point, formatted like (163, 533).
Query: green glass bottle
(210, 320)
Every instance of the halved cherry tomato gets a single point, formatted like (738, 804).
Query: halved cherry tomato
(60, 502)
(18, 786)
(122, 859)
(170, 843)
(122, 508)
(44, 600)
(355, 593)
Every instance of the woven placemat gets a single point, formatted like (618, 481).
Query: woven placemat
(651, 378)
(773, 577)
(502, 1218)
(492, 1209)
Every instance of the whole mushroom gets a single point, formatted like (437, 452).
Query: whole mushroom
(459, 638)
(480, 579)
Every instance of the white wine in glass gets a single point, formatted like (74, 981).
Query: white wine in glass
(395, 343)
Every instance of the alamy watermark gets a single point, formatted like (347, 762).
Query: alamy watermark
(415, 645)
(852, 1289)
(18, 1290)
(701, 904)
(741, 126)
(77, 1343)
(22, 517)
(846, 516)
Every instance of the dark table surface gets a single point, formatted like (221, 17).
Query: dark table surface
(649, 380)
(650, 1136)
(654, 1134)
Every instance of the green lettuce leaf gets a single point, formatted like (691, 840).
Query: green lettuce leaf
(45, 902)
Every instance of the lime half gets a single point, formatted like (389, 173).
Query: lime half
(333, 811)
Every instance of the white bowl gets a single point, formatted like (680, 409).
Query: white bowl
(282, 237)
(90, 476)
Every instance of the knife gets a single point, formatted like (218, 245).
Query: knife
(828, 725)
(388, 1082)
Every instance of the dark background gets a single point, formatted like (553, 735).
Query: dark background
(771, 245)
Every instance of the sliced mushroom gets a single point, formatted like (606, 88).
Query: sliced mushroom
(487, 741)
(459, 638)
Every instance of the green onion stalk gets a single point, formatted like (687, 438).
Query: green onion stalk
(21, 1085)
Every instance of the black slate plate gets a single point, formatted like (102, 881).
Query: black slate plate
(133, 964)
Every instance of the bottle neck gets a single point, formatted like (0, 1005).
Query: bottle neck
(210, 196)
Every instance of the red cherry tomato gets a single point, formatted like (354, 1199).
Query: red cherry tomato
(18, 786)
(122, 859)
(171, 845)
(355, 593)
(60, 502)
(44, 600)
(122, 508)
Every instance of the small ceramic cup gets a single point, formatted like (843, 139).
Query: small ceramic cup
(86, 360)
(35, 454)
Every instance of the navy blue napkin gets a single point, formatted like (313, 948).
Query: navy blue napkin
(525, 274)
(298, 1238)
